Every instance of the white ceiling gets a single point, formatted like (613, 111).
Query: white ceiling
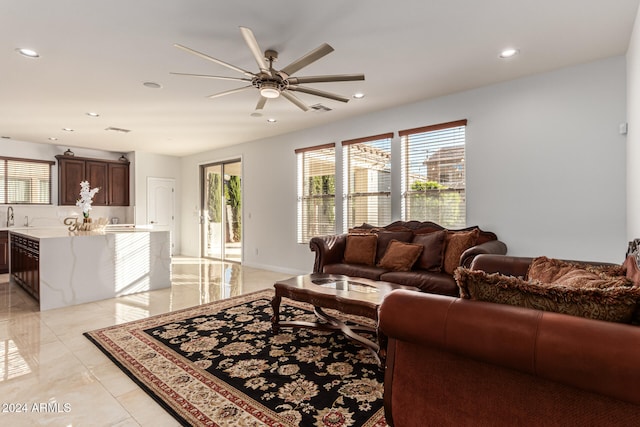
(95, 55)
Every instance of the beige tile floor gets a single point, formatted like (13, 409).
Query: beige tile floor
(47, 364)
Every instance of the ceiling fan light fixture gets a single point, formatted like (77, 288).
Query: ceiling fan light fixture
(269, 90)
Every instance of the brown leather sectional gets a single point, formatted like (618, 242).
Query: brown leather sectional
(330, 250)
(453, 362)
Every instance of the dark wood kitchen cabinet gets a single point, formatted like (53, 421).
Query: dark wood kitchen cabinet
(111, 176)
(118, 174)
(25, 263)
(97, 173)
(4, 251)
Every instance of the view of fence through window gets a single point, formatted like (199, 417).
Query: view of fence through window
(316, 192)
(434, 179)
(367, 168)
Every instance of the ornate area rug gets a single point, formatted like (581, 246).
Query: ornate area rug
(219, 364)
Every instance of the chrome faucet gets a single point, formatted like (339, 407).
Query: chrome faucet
(10, 222)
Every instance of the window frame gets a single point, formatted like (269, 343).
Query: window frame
(304, 233)
(5, 180)
(442, 140)
(348, 195)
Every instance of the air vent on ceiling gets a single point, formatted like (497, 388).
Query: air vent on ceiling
(320, 108)
(118, 129)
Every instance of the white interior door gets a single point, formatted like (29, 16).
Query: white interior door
(161, 204)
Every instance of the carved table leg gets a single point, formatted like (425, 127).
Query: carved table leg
(275, 305)
(382, 350)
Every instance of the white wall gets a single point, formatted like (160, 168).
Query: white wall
(150, 165)
(53, 215)
(545, 162)
(633, 137)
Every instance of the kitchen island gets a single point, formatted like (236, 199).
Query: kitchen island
(60, 268)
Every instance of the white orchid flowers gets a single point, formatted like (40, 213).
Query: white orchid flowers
(86, 198)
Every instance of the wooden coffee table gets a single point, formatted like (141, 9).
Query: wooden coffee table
(349, 295)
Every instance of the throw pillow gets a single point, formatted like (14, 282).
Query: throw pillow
(400, 256)
(581, 278)
(360, 249)
(455, 244)
(385, 237)
(433, 253)
(614, 303)
(549, 270)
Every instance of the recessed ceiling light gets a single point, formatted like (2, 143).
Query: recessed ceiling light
(358, 95)
(115, 129)
(92, 114)
(53, 138)
(271, 120)
(67, 129)
(29, 53)
(152, 85)
(256, 114)
(508, 53)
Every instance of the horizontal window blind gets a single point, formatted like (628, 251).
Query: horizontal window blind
(433, 174)
(316, 191)
(25, 181)
(367, 169)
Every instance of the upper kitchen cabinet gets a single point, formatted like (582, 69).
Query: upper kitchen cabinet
(118, 174)
(112, 177)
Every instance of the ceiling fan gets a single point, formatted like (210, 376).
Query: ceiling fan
(271, 82)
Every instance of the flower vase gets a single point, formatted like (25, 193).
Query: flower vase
(86, 224)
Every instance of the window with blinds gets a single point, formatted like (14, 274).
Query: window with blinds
(316, 191)
(25, 181)
(367, 171)
(433, 174)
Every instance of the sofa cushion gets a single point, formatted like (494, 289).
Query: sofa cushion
(360, 249)
(385, 237)
(433, 253)
(355, 270)
(431, 282)
(614, 303)
(400, 256)
(456, 243)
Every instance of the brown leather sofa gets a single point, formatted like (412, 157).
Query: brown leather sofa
(330, 250)
(453, 362)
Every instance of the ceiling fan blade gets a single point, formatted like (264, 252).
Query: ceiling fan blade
(307, 59)
(229, 92)
(318, 93)
(217, 61)
(261, 103)
(294, 99)
(251, 41)
(323, 79)
(207, 76)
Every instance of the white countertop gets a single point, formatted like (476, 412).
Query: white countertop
(63, 231)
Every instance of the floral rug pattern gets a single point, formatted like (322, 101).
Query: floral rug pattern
(220, 364)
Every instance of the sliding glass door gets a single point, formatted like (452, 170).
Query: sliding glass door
(222, 211)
